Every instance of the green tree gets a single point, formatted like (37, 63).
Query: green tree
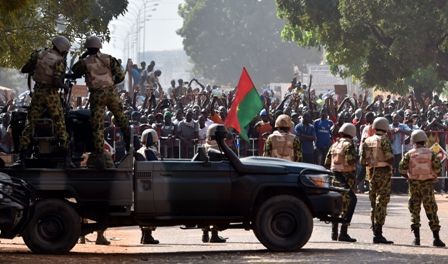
(26, 25)
(222, 36)
(389, 44)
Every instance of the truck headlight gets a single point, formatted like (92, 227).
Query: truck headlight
(316, 180)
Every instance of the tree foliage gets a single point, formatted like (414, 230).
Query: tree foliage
(389, 44)
(222, 36)
(26, 25)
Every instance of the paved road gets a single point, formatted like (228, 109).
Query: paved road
(185, 246)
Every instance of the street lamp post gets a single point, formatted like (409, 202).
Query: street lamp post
(146, 18)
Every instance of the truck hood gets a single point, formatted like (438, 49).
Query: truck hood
(281, 166)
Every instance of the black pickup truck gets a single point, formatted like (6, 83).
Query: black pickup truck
(275, 198)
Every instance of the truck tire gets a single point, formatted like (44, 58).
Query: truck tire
(54, 228)
(283, 223)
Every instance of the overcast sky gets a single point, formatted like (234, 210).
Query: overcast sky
(161, 25)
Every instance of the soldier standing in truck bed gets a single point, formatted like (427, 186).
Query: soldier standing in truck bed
(47, 68)
(102, 72)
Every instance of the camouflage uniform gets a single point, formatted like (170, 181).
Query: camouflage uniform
(46, 97)
(380, 182)
(100, 97)
(296, 148)
(422, 191)
(346, 180)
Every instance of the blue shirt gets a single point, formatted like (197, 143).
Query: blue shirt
(323, 134)
(136, 76)
(308, 130)
(398, 138)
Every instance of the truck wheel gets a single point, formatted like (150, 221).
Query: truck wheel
(54, 228)
(283, 223)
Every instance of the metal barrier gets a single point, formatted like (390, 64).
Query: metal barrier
(174, 150)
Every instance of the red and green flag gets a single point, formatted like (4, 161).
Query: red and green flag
(245, 106)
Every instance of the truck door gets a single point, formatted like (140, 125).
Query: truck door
(144, 188)
(185, 188)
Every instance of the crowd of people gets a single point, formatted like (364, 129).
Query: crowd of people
(181, 115)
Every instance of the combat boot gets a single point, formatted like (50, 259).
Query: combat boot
(147, 237)
(100, 161)
(334, 231)
(416, 231)
(217, 239)
(343, 236)
(437, 242)
(378, 235)
(101, 239)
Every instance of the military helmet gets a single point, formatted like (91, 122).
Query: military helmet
(348, 129)
(93, 42)
(211, 130)
(263, 112)
(283, 121)
(61, 43)
(418, 136)
(149, 132)
(358, 113)
(381, 123)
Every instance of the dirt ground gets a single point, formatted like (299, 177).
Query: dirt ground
(185, 246)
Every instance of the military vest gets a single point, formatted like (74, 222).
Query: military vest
(282, 145)
(338, 161)
(99, 73)
(420, 164)
(374, 153)
(45, 66)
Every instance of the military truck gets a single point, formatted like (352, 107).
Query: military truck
(275, 198)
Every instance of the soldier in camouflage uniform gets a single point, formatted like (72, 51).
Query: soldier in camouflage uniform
(283, 144)
(341, 159)
(102, 72)
(377, 156)
(214, 153)
(421, 167)
(47, 68)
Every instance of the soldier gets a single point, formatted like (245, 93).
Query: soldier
(101, 72)
(47, 68)
(149, 140)
(421, 167)
(282, 143)
(214, 153)
(377, 156)
(148, 151)
(341, 159)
